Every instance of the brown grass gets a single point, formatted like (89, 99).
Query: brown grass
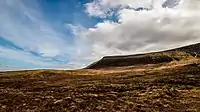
(169, 87)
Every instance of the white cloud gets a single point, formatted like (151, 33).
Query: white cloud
(103, 8)
(26, 27)
(97, 9)
(27, 58)
(124, 3)
(134, 31)
(144, 31)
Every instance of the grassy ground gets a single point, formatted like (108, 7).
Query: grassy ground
(166, 87)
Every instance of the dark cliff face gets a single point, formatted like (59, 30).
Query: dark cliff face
(128, 61)
(149, 58)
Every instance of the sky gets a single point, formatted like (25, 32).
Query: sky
(70, 34)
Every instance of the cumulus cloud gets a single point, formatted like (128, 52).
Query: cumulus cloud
(171, 24)
(97, 9)
(140, 26)
(104, 8)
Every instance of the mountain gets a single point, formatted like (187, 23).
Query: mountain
(148, 58)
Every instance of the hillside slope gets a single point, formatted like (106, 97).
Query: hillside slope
(149, 58)
(169, 86)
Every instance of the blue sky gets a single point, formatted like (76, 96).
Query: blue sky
(34, 33)
(69, 34)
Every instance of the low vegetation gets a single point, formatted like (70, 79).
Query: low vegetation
(172, 86)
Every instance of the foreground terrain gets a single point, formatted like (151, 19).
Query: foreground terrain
(169, 86)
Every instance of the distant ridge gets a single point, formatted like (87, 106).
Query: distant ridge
(148, 58)
(190, 48)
